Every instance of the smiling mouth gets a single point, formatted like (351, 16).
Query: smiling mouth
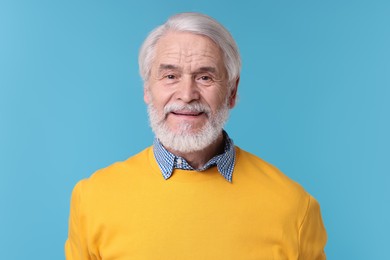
(194, 114)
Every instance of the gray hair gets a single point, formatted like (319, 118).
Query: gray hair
(195, 23)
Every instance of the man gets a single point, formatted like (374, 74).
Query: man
(193, 194)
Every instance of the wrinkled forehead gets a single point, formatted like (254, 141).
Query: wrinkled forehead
(182, 48)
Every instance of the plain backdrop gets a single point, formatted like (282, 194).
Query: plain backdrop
(314, 101)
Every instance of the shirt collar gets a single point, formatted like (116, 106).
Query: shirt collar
(167, 161)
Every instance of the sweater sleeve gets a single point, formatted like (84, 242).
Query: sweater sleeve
(76, 246)
(312, 234)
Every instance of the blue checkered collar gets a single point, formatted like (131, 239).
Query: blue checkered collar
(167, 161)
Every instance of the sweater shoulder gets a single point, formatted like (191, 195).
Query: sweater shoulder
(119, 171)
(267, 175)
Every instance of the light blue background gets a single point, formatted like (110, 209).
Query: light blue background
(314, 101)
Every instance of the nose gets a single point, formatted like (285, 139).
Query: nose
(188, 90)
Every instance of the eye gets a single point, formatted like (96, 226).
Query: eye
(170, 76)
(205, 79)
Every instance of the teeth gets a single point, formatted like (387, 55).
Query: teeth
(187, 114)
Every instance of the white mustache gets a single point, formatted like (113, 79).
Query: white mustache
(193, 107)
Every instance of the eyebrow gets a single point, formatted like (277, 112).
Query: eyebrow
(168, 67)
(209, 69)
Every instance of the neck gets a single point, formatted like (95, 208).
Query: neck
(197, 159)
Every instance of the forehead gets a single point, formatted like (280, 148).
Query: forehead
(186, 48)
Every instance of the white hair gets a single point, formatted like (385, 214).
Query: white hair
(199, 24)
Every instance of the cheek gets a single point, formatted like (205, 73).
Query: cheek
(218, 100)
(158, 95)
(158, 104)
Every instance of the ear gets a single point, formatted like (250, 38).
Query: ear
(233, 94)
(147, 97)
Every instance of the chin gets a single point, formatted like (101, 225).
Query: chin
(188, 141)
(187, 137)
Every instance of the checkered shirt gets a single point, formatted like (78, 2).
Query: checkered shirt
(167, 161)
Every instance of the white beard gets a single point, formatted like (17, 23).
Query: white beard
(184, 140)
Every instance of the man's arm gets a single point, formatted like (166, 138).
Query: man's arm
(312, 234)
(75, 246)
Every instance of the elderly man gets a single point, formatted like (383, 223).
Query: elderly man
(193, 194)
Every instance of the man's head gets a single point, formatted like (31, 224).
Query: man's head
(191, 67)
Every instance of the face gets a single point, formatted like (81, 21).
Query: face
(187, 94)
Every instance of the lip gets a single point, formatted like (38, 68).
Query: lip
(187, 113)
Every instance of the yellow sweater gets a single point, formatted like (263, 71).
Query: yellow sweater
(128, 211)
